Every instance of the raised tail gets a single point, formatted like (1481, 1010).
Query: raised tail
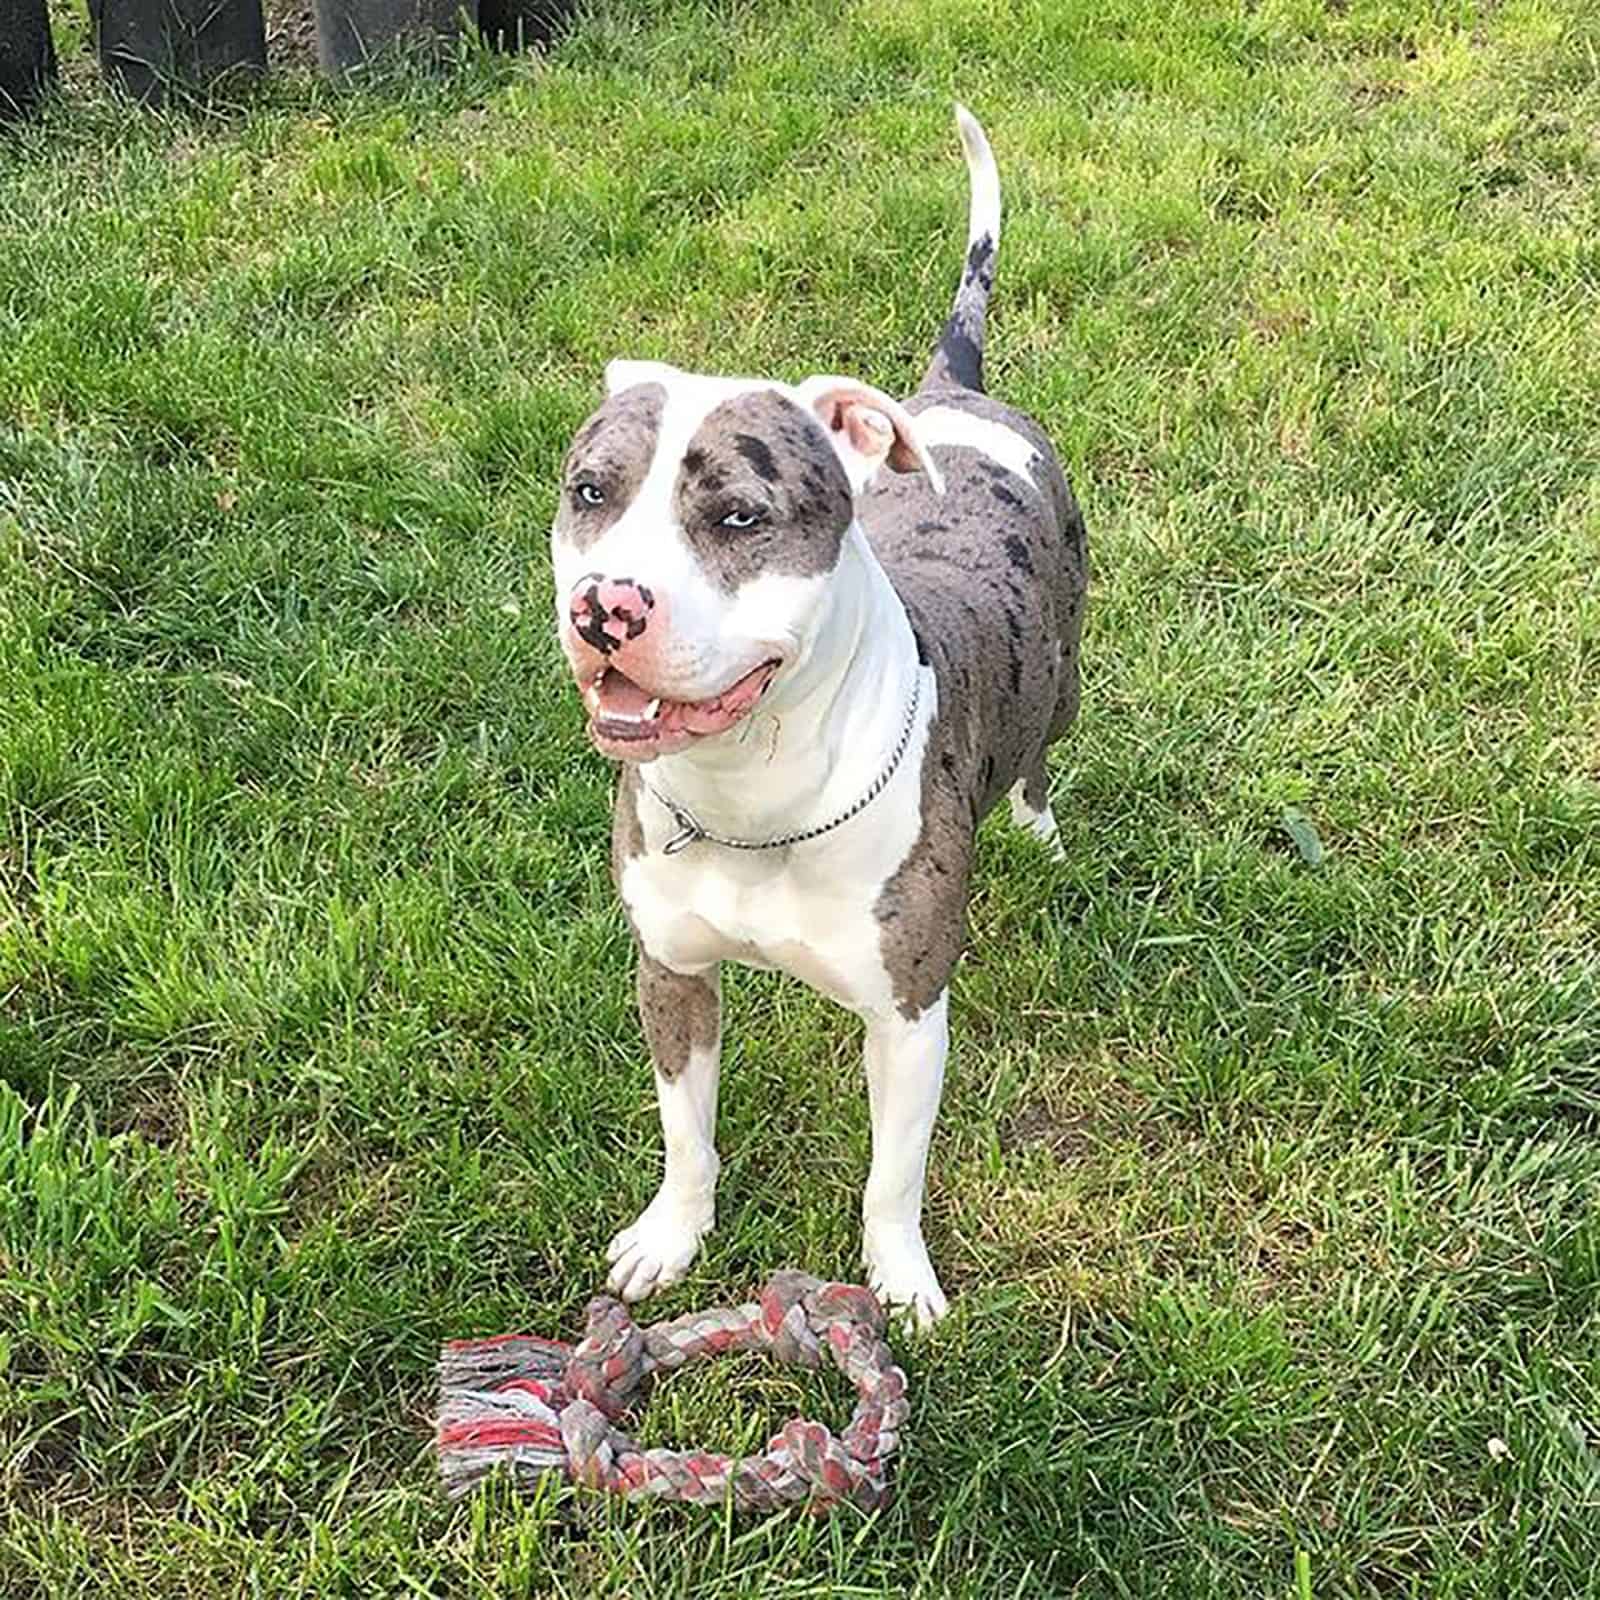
(959, 359)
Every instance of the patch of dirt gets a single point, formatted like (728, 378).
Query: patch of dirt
(1276, 322)
(1118, 1114)
(1036, 1126)
(1368, 93)
(1276, 1254)
(158, 1119)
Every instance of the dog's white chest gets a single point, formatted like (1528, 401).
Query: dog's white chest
(809, 910)
(707, 906)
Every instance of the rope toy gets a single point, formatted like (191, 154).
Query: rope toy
(541, 1406)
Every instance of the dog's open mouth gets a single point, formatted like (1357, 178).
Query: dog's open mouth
(626, 721)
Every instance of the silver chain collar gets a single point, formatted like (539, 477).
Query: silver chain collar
(690, 832)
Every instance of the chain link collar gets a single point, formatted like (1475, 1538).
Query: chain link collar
(690, 832)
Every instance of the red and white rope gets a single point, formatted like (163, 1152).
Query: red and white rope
(538, 1406)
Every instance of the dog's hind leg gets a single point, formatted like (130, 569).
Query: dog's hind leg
(1030, 809)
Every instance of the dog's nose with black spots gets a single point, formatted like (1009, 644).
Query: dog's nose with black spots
(608, 613)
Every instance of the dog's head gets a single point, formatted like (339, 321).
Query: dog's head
(699, 533)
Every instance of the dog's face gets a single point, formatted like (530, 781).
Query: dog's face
(698, 536)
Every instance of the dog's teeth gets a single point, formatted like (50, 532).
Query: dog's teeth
(651, 711)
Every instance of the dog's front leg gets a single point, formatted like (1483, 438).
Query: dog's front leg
(682, 1016)
(905, 1076)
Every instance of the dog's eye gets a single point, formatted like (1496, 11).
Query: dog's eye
(590, 494)
(740, 520)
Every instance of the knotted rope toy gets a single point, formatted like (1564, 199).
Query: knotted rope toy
(540, 1406)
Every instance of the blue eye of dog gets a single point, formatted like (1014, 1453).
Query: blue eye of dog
(740, 520)
(590, 494)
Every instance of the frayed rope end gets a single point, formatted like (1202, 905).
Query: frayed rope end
(539, 1406)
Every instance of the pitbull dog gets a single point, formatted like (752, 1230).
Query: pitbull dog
(823, 632)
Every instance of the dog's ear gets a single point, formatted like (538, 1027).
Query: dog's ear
(622, 375)
(868, 430)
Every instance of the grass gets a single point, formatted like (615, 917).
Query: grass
(1266, 1190)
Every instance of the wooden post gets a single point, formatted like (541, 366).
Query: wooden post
(27, 56)
(148, 46)
(350, 32)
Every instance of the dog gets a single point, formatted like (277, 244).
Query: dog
(822, 632)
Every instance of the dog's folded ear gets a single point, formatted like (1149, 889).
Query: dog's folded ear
(622, 375)
(868, 430)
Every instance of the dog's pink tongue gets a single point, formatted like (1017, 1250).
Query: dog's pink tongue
(617, 695)
(620, 696)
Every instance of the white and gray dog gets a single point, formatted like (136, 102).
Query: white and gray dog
(910, 637)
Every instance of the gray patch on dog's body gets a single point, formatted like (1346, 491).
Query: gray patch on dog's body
(759, 452)
(627, 832)
(612, 450)
(994, 588)
(680, 1012)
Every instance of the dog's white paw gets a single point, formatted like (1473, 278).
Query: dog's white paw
(1041, 823)
(900, 1273)
(655, 1251)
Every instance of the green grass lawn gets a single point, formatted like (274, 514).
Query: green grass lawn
(1265, 1188)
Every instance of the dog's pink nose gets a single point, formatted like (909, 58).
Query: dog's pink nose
(609, 612)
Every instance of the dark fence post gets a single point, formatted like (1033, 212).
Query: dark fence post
(350, 32)
(146, 46)
(27, 56)
(518, 24)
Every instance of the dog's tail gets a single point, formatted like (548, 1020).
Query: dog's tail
(959, 358)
